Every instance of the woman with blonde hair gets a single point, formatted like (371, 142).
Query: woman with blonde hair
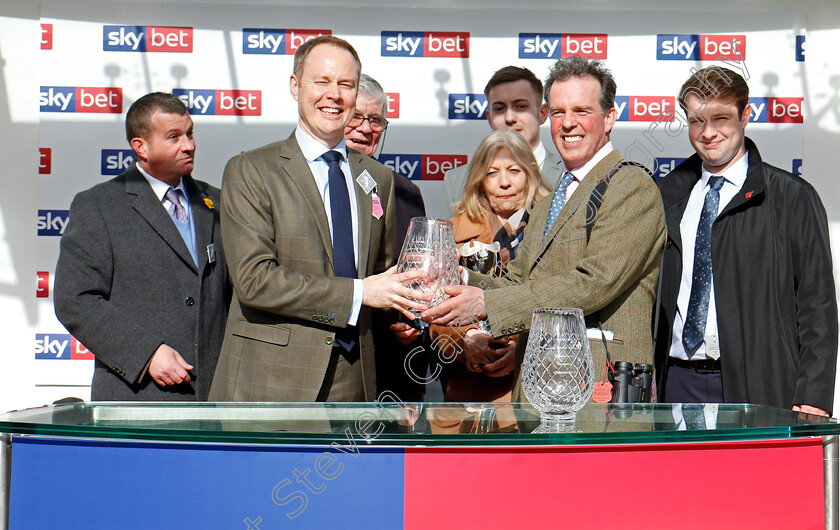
(503, 184)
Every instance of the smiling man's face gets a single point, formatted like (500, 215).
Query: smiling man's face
(716, 131)
(326, 92)
(363, 138)
(579, 127)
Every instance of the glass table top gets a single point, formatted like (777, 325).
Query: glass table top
(411, 424)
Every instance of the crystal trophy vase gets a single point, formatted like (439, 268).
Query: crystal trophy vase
(558, 376)
(430, 246)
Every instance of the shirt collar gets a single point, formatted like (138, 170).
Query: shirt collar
(582, 171)
(312, 149)
(160, 187)
(539, 154)
(735, 174)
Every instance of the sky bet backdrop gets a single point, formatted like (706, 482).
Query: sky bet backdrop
(231, 65)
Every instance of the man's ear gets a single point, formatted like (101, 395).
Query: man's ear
(140, 148)
(746, 115)
(609, 119)
(543, 113)
(293, 86)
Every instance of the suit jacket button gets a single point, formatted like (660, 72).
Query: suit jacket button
(668, 244)
(332, 321)
(328, 341)
(189, 301)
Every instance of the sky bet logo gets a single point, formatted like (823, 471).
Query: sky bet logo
(701, 47)
(42, 288)
(425, 44)
(52, 222)
(644, 108)
(799, 53)
(423, 167)
(557, 45)
(467, 107)
(663, 166)
(147, 39)
(59, 346)
(393, 110)
(106, 100)
(46, 36)
(265, 41)
(44, 160)
(776, 110)
(116, 161)
(221, 102)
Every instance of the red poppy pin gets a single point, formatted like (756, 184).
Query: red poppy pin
(748, 194)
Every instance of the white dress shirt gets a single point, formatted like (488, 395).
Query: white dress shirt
(734, 178)
(312, 150)
(581, 172)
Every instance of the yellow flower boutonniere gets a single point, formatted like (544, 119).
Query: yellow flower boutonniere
(209, 203)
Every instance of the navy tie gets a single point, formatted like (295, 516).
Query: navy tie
(344, 255)
(694, 329)
(558, 201)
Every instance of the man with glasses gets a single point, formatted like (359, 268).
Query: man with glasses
(365, 134)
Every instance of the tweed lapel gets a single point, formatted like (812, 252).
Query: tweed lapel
(364, 205)
(574, 210)
(297, 169)
(146, 203)
(203, 221)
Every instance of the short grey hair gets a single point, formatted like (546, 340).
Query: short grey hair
(372, 89)
(577, 66)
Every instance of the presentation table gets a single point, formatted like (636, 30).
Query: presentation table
(391, 465)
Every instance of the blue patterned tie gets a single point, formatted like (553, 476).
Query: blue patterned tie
(344, 254)
(694, 416)
(694, 329)
(558, 201)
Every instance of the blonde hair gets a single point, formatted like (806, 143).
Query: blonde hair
(474, 202)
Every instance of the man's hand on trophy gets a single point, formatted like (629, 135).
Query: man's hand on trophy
(388, 290)
(466, 306)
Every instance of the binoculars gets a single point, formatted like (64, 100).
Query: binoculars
(631, 382)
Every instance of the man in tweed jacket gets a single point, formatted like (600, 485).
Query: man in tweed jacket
(608, 268)
(297, 330)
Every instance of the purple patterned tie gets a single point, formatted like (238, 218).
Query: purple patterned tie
(176, 210)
